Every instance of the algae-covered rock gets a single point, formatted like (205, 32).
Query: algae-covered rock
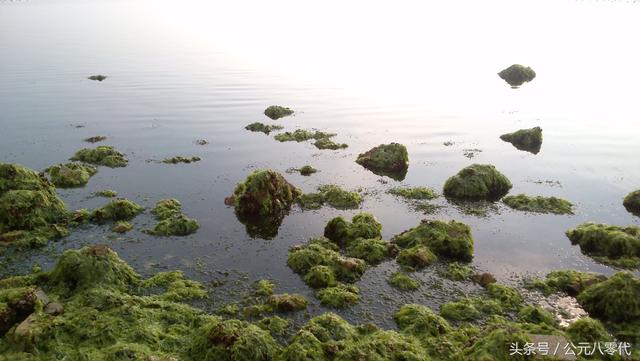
(468, 309)
(416, 257)
(332, 195)
(451, 240)
(166, 208)
(288, 302)
(117, 210)
(264, 128)
(122, 227)
(70, 175)
(413, 193)
(307, 170)
(632, 202)
(616, 299)
(403, 281)
(529, 140)
(517, 75)
(264, 192)
(320, 277)
(362, 225)
(372, 250)
(181, 159)
(172, 222)
(539, 204)
(457, 271)
(304, 258)
(16, 304)
(588, 330)
(96, 139)
(613, 245)
(277, 326)
(327, 143)
(495, 344)
(391, 160)
(536, 315)
(571, 282)
(339, 296)
(106, 193)
(101, 155)
(98, 77)
(276, 112)
(477, 181)
(420, 320)
(509, 297)
(301, 135)
(264, 288)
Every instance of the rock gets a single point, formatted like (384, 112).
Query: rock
(539, 204)
(264, 192)
(70, 175)
(613, 245)
(97, 77)
(276, 112)
(616, 299)
(529, 140)
(517, 75)
(391, 160)
(264, 128)
(416, 257)
(101, 155)
(41, 296)
(632, 202)
(180, 159)
(26, 332)
(54, 309)
(288, 302)
(451, 240)
(339, 296)
(122, 227)
(484, 279)
(117, 210)
(477, 181)
(96, 139)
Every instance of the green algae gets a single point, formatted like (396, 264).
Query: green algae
(307, 170)
(507, 296)
(344, 233)
(332, 195)
(339, 296)
(117, 210)
(302, 259)
(517, 75)
(539, 204)
(589, 330)
(477, 181)
(421, 320)
(101, 155)
(416, 257)
(390, 160)
(275, 325)
(493, 344)
(372, 250)
(288, 302)
(403, 281)
(181, 159)
(301, 135)
(264, 193)
(264, 288)
(96, 139)
(614, 245)
(450, 240)
(122, 227)
(106, 193)
(172, 222)
(98, 77)
(632, 202)
(320, 277)
(413, 193)
(536, 315)
(469, 309)
(616, 300)
(571, 282)
(70, 175)
(458, 271)
(327, 143)
(264, 128)
(529, 140)
(276, 112)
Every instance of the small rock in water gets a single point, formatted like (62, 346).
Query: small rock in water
(517, 75)
(97, 77)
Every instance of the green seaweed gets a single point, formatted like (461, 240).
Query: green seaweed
(420, 320)
(264, 128)
(327, 143)
(180, 159)
(372, 250)
(167, 208)
(529, 140)
(477, 181)
(390, 160)
(264, 193)
(276, 112)
(539, 204)
(264, 288)
(632, 202)
(277, 326)
(450, 240)
(320, 277)
(70, 175)
(536, 315)
(98, 77)
(404, 282)
(589, 330)
(571, 282)
(101, 155)
(106, 193)
(172, 222)
(332, 195)
(469, 309)
(619, 246)
(617, 299)
(458, 271)
(413, 193)
(307, 170)
(362, 225)
(517, 75)
(96, 139)
(301, 135)
(508, 297)
(288, 302)
(122, 227)
(339, 296)
(117, 210)
(416, 257)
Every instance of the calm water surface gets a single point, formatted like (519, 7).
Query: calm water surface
(374, 73)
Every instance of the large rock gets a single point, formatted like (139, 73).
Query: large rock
(517, 75)
(477, 181)
(616, 299)
(391, 160)
(613, 245)
(632, 202)
(529, 140)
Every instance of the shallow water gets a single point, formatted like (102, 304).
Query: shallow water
(416, 74)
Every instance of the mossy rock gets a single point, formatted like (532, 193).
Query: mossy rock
(16, 304)
(529, 140)
(277, 326)
(403, 281)
(517, 75)
(264, 288)
(344, 233)
(117, 210)
(469, 309)
(372, 250)
(96, 139)
(167, 208)
(264, 128)
(509, 297)
(302, 259)
(383, 345)
(307, 170)
(101, 155)
(420, 193)
(181, 159)
(327, 143)
(106, 193)
(339, 296)
(70, 175)
(571, 282)
(391, 160)
(539, 204)
(477, 181)
(264, 193)
(616, 299)
(458, 271)
(536, 315)
(122, 227)
(416, 257)
(301, 135)
(588, 330)
(632, 202)
(452, 240)
(494, 344)
(419, 320)
(276, 112)
(98, 77)
(177, 225)
(320, 277)
(619, 246)
(332, 195)
(288, 302)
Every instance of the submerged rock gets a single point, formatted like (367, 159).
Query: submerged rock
(529, 140)
(451, 240)
(345, 233)
(327, 143)
(264, 192)
(180, 159)
(517, 75)
(307, 170)
(276, 112)
(122, 227)
(301, 135)
(117, 210)
(616, 299)
(106, 193)
(413, 193)
(102, 155)
(391, 160)
(632, 202)
(70, 175)
(172, 222)
(613, 245)
(96, 139)
(97, 77)
(339, 296)
(416, 257)
(477, 181)
(264, 128)
(332, 195)
(539, 204)
(404, 282)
